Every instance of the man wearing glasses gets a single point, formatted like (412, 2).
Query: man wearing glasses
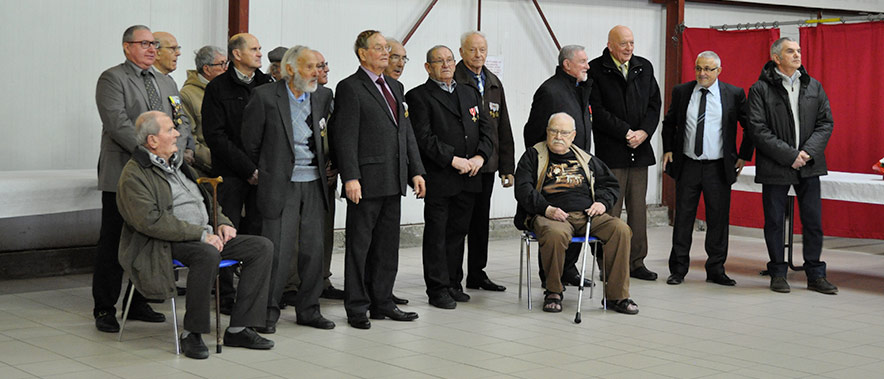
(398, 59)
(454, 139)
(700, 153)
(123, 93)
(210, 62)
(167, 53)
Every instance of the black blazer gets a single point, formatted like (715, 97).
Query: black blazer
(733, 109)
(268, 141)
(560, 93)
(444, 131)
(367, 143)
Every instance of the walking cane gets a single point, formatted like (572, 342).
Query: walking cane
(577, 319)
(214, 182)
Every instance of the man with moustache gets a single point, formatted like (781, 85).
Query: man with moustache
(454, 139)
(371, 123)
(471, 72)
(626, 104)
(210, 62)
(398, 59)
(281, 131)
(275, 57)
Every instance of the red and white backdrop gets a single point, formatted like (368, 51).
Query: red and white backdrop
(843, 58)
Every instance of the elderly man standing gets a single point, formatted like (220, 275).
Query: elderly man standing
(372, 126)
(398, 59)
(454, 139)
(167, 53)
(471, 72)
(281, 134)
(626, 105)
(123, 93)
(560, 188)
(275, 57)
(791, 122)
(700, 143)
(210, 62)
(167, 217)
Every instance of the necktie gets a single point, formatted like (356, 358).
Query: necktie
(701, 123)
(625, 70)
(153, 98)
(389, 97)
(481, 84)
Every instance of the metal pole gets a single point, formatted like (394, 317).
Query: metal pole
(548, 28)
(776, 24)
(418, 23)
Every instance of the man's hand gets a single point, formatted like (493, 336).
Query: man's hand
(636, 138)
(188, 156)
(254, 179)
(800, 160)
(420, 186)
(330, 174)
(476, 163)
(462, 165)
(667, 158)
(739, 166)
(353, 190)
(596, 209)
(557, 214)
(507, 180)
(215, 241)
(226, 232)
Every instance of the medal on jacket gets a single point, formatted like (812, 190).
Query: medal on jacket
(323, 131)
(405, 106)
(494, 109)
(474, 111)
(176, 109)
(589, 109)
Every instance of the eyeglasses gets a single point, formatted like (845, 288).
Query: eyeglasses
(322, 66)
(145, 44)
(176, 49)
(474, 50)
(382, 48)
(556, 132)
(706, 69)
(397, 57)
(443, 62)
(222, 64)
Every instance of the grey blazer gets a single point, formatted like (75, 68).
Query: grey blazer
(268, 141)
(121, 98)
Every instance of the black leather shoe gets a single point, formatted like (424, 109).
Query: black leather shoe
(822, 285)
(722, 279)
(443, 300)
(270, 328)
(288, 298)
(573, 280)
(458, 295)
(399, 301)
(318, 323)
(486, 284)
(395, 314)
(143, 312)
(779, 284)
(107, 322)
(193, 346)
(332, 293)
(643, 273)
(248, 339)
(359, 322)
(676, 279)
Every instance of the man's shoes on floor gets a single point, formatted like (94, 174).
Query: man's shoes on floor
(107, 322)
(248, 339)
(625, 306)
(485, 284)
(574, 280)
(458, 295)
(332, 293)
(318, 323)
(779, 284)
(722, 279)
(193, 346)
(675, 279)
(822, 285)
(643, 273)
(288, 298)
(270, 328)
(394, 314)
(359, 322)
(143, 312)
(443, 300)
(399, 301)
(226, 306)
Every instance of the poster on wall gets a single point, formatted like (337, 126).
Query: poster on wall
(495, 64)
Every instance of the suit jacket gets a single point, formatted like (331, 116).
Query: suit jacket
(733, 109)
(503, 159)
(121, 98)
(268, 141)
(560, 93)
(369, 145)
(446, 128)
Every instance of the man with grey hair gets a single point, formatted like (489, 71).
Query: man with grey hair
(791, 122)
(210, 61)
(700, 153)
(398, 59)
(123, 93)
(169, 216)
(281, 135)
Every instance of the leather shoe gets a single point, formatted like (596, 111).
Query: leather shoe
(248, 339)
(779, 284)
(822, 285)
(722, 279)
(574, 281)
(394, 314)
(359, 322)
(143, 312)
(676, 279)
(107, 322)
(443, 300)
(643, 273)
(194, 347)
(270, 328)
(485, 284)
(458, 295)
(399, 301)
(332, 293)
(318, 323)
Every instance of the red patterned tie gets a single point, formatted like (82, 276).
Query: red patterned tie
(389, 98)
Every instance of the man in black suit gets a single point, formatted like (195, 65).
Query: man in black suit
(281, 134)
(453, 135)
(377, 155)
(700, 153)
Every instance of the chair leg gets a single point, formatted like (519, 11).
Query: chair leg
(602, 274)
(592, 270)
(528, 271)
(217, 315)
(130, 289)
(521, 267)
(175, 327)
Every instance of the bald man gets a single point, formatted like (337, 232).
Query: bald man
(167, 53)
(398, 59)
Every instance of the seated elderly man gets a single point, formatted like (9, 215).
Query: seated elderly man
(557, 186)
(167, 216)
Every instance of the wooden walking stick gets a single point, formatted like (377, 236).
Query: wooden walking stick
(214, 182)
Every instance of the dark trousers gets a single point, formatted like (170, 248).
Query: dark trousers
(706, 177)
(446, 223)
(201, 259)
(371, 260)
(775, 199)
(298, 231)
(233, 194)
(108, 273)
(328, 235)
(633, 190)
(477, 237)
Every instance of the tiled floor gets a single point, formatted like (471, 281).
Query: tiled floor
(692, 330)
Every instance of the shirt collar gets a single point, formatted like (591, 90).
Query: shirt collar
(713, 89)
(169, 167)
(202, 78)
(242, 77)
(139, 70)
(374, 77)
(792, 79)
(617, 63)
(300, 99)
(445, 87)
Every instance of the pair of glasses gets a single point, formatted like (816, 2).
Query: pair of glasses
(222, 64)
(322, 66)
(397, 57)
(145, 44)
(563, 133)
(382, 48)
(444, 62)
(176, 49)
(706, 69)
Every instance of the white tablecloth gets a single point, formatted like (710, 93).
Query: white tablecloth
(845, 186)
(28, 193)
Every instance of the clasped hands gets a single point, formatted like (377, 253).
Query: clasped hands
(555, 213)
(635, 138)
(470, 166)
(225, 233)
(801, 160)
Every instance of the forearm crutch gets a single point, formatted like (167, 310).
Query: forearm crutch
(214, 183)
(577, 319)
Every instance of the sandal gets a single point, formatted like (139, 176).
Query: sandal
(626, 306)
(549, 300)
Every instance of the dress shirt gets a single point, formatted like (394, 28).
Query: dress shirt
(713, 135)
(444, 86)
(793, 87)
(374, 79)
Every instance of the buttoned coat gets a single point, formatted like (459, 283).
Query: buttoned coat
(503, 159)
